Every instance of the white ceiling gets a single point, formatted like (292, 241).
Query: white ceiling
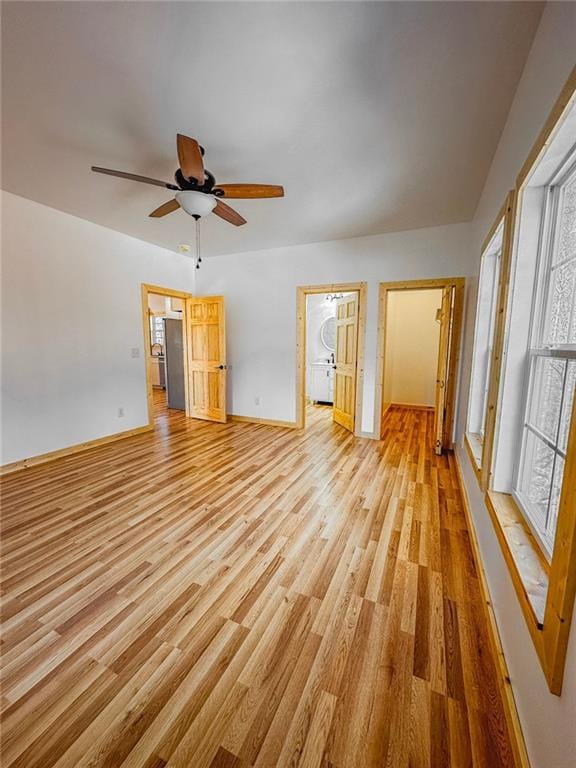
(374, 116)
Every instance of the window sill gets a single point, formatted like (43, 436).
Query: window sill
(528, 567)
(473, 445)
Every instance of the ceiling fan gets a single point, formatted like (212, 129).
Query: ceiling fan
(196, 190)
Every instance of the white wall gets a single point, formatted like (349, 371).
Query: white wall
(260, 291)
(549, 722)
(71, 316)
(412, 337)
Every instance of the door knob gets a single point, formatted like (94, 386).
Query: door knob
(334, 366)
(220, 367)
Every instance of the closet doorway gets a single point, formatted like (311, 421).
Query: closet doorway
(330, 346)
(418, 350)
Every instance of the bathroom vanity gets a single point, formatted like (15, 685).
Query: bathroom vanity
(321, 382)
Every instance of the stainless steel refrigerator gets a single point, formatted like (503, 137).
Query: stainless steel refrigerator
(174, 352)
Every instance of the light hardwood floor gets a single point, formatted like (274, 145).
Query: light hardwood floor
(236, 595)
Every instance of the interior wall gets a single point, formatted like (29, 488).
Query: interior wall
(412, 338)
(157, 303)
(547, 720)
(73, 351)
(260, 292)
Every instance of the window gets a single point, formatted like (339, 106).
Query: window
(156, 331)
(488, 283)
(551, 361)
(528, 448)
(489, 331)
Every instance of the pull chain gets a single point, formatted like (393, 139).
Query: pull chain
(198, 256)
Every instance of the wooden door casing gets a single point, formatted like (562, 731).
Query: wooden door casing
(206, 328)
(455, 286)
(442, 370)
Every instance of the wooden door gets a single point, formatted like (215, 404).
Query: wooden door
(345, 356)
(442, 370)
(206, 357)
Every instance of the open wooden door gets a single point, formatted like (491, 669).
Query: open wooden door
(206, 346)
(345, 357)
(442, 370)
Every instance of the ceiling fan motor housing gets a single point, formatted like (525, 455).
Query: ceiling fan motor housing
(208, 186)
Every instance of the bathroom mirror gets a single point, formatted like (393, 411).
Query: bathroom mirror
(328, 333)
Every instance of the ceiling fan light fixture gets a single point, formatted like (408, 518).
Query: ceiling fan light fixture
(196, 203)
(196, 190)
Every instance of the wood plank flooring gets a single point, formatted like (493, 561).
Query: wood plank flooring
(242, 595)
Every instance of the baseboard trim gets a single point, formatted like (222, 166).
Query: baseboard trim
(413, 407)
(267, 422)
(43, 458)
(521, 759)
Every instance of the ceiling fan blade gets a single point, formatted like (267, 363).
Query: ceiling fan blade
(229, 214)
(190, 158)
(246, 191)
(165, 208)
(134, 177)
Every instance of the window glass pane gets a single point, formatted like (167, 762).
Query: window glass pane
(546, 400)
(484, 385)
(560, 301)
(567, 224)
(483, 339)
(157, 330)
(554, 503)
(536, 480)
(569, 388)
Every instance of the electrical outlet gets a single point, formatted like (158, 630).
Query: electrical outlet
(120, 412)
(256, 401)
(135, 351)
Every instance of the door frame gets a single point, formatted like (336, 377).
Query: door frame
(302, 291)
(146, 290)
(458, 283)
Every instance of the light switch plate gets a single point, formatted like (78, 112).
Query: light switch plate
(135, 351)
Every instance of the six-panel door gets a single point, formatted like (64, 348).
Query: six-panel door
(206, 332)
(345, 356)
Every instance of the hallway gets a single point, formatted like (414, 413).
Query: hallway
(234, 594)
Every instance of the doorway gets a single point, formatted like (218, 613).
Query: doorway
(330, 353)
(418, 350)
(165, 349)
(192, 349)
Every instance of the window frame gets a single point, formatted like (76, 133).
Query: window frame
(483, 466)
(546, 591)
(538, 348)
(475, 391)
